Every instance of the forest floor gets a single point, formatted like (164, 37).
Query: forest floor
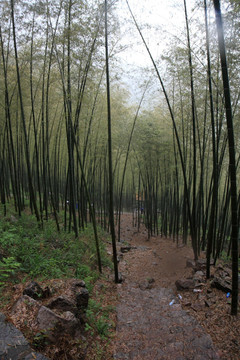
(148, 327)
(145, 324)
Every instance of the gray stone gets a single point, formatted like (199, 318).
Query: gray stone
(13, 344)
(64, 314)
(45, 319)
(185, 284)
(199, 276)
(190, 263)
(221, 284)
(120, 277)
(78, 283)
(125, 249)
(62, 303)
(55, 325)
(27, 303)
(201, 264)
(147, 284)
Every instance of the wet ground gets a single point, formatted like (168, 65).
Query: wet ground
(151, 323)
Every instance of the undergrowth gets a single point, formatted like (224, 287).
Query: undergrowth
(29, 252)
(98, 319)
(27, 249)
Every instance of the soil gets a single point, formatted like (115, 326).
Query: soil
(148, 326)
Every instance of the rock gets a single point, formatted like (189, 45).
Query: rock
(210, 295)
(63, 304)
(198, 306)
(82, 297)
(208, 303)
(64, 314)
(185, 284)
(68, 315)
(224, 270)
(75, 301)
(190, 263)
(78, 283)
(151, 280)
(187, 303)
(221, 284)
(125, 249)
(120, 256)
(210, 299)
(46, 292)
(201, 264)
(120, 277)
(198, 276)
(198, 285)
(26, 305)
(13, 344)
(56, 325)
(33, 290)
(42, 318)
(147, 284)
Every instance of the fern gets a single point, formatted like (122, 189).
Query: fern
(7, 268)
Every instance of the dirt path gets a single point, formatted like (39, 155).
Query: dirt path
(148, 326)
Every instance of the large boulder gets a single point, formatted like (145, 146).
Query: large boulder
(13, 344)
(63, 314)
(75, 300)
(62, 303)
(55, 325)
(41, 318)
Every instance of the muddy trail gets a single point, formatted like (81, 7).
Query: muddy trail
(151, 323)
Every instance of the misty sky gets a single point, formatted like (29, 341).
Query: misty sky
(161, 22)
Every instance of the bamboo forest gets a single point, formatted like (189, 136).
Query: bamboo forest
(119, 179)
